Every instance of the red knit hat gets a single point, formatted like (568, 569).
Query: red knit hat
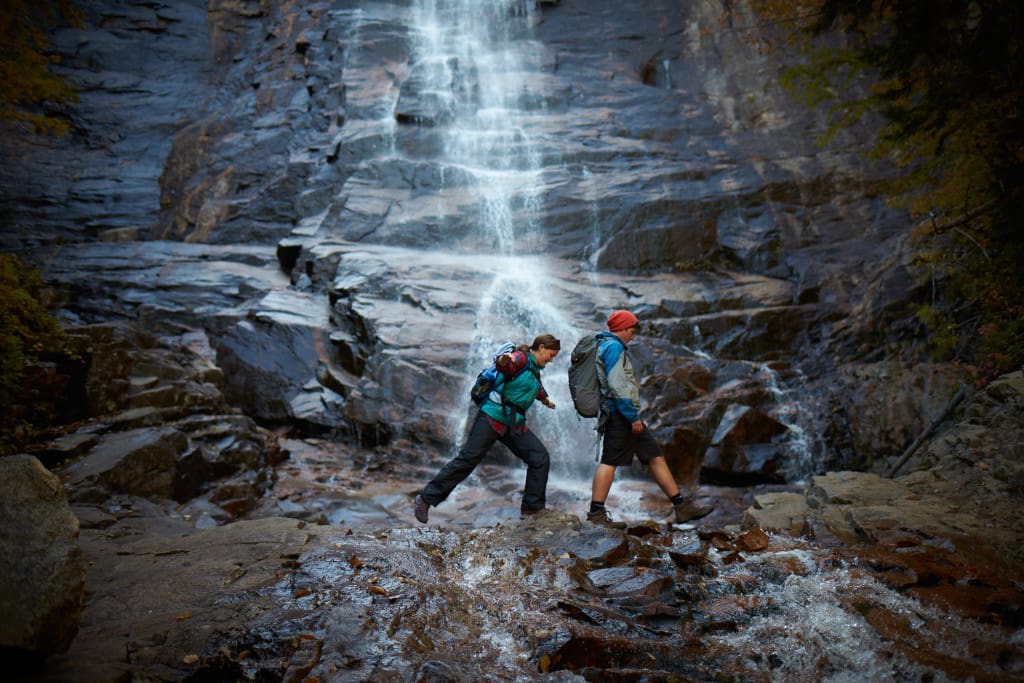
(620, 320)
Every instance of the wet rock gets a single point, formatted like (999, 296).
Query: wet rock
(139, 461)
(688, 551)
(232, 442)
(754, 242)
(959, 502)
(306, 655)
(743, 465)
(752, 540)
(172, 580)
(744, 425)
(435, 672)
(728, 432)
(130, 378)
(118, 57)
(420, 105)
(135, 418)
(674, 603)
(92, 517)
(757, 334)
(269, 358)
(786, 512)
(619, 582)
(42, 566)
(880, 408)
(600, 547)
(66, 447)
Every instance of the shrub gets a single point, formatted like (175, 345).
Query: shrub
(27, 332)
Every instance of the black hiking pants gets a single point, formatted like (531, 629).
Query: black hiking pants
(524, 444)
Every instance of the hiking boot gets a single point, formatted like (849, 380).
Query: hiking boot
(421, 508)
(690, 509)
(543, 515)
(602, 518)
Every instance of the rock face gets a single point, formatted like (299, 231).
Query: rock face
(153, 423)
(42, 566)
(962, 490)
(343, 199)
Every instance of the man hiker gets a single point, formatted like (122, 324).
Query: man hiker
(625, 434)
(502, 417)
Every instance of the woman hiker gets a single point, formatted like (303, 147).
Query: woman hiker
(502, 417)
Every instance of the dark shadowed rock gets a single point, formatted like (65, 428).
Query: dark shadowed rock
(742, 448)
(42, 567)
(171, 579)
(880, 408)
(618, 582)
(688, 551)
(966, 498)
(599, 547)
(270, 357)
(141, 462)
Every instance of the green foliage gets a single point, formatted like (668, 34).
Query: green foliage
(29, 90)
(947, 79)
(942, 330)
(26, 331)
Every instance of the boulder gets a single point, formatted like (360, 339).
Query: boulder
(786, 512)
(878, 409)
(619, 582)
(742, 448)
(268, 359)
(142, 462)
(42, 566)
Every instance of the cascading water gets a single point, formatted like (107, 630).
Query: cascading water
(474, 59)
(593, 249)
(480, 66)
(802, 456)
(806, 630)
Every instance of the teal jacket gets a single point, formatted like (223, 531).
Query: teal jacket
(518, 392)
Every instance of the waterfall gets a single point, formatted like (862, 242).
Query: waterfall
(479, 67)
(593, 249)
(476, 59)
(789, 410)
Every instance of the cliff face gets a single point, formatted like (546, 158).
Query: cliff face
(319, 218)
(350, 198)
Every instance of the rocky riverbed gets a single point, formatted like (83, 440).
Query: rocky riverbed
(209, 548)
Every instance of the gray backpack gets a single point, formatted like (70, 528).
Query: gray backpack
(583, 383)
